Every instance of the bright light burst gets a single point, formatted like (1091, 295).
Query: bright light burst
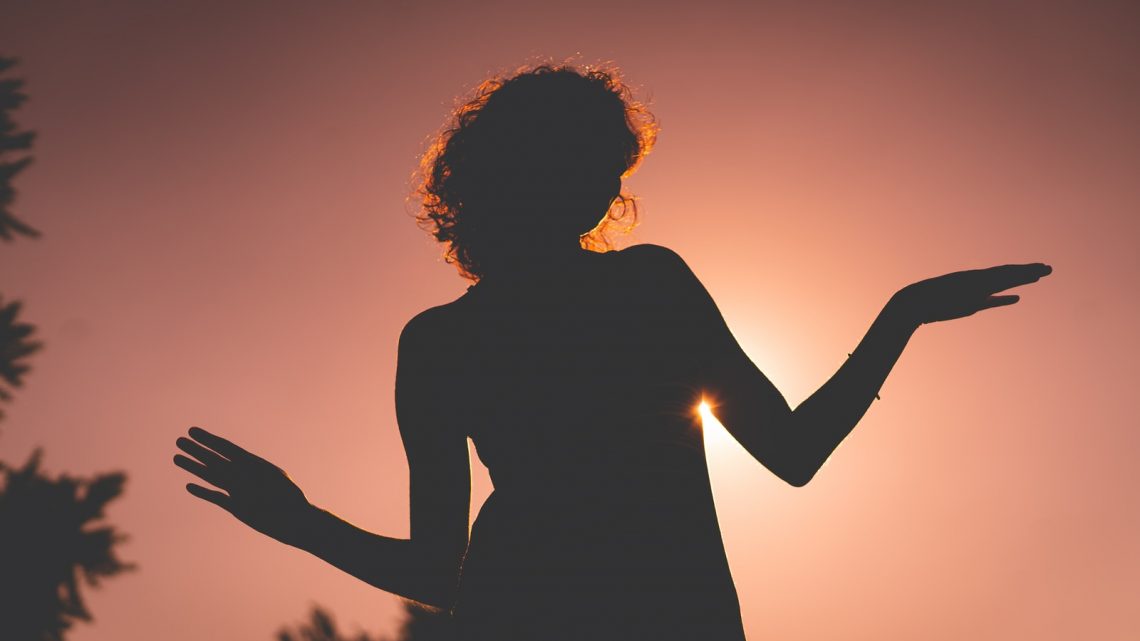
(716, 437)
(705, 411)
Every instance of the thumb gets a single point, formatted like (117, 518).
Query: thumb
(999, 301)
(221, 499)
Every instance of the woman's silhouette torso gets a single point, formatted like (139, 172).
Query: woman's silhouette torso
(578, 388)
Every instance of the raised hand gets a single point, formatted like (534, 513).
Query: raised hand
(257, 492)
(960, 294)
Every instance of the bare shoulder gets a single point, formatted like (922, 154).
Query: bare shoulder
(422, 372)
(426, 331)
(650, 254)
(660, 267)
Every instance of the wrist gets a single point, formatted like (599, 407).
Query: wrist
(309, 533)
(899, 314)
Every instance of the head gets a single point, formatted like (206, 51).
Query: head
(533, 160)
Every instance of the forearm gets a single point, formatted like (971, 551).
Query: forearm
(399, 566)
(820, 423)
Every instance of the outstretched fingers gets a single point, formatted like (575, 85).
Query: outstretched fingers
(221, 499)
(212, 475)
(208, 457)
(221, 445)
(998, 301)
(1003, 277)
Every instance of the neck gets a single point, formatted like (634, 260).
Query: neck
(537, 261)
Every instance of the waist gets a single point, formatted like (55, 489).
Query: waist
(589, 472)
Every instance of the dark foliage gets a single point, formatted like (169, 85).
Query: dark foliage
(420, 623)
(14, 343)
(52, 533)
(12, 140)
(51, 536)
(14, 347)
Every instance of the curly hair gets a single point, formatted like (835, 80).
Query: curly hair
(523, 141)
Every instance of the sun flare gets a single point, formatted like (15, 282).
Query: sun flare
(715, 435)
(705, 411)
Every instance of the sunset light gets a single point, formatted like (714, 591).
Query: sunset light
(716, 437)
(227, 196)
(705, 411)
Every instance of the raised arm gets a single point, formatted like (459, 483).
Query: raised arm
(794, 444)
(423, 568)
(749, 406)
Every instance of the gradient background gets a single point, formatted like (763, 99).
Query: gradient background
(222, 190)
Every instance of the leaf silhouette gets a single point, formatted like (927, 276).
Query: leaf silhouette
(51, 539)
(14, 347)
(421, 623)
(12, 140)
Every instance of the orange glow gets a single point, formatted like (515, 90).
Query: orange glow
(705, 411)
(717, 439)
(227, 243)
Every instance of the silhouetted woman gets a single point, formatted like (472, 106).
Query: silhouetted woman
(576, 372)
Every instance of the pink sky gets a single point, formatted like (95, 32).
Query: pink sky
(227, 244)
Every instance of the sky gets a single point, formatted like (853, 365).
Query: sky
(228, 243)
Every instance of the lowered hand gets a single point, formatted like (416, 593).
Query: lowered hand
(257, 492)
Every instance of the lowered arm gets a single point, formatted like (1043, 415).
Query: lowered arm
(425, 567)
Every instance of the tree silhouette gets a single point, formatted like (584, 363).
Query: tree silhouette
(50, 535)
(12, 140)
(421, 623)
(321, 627)
(14, 347)
(50, 530)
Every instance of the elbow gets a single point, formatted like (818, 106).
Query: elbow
(786, 456)
(798, 479)
(789, 465)
(798, 470)
(794, 475)
(800, 461)
(441, 582)
(436, 591)
(442, 600)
